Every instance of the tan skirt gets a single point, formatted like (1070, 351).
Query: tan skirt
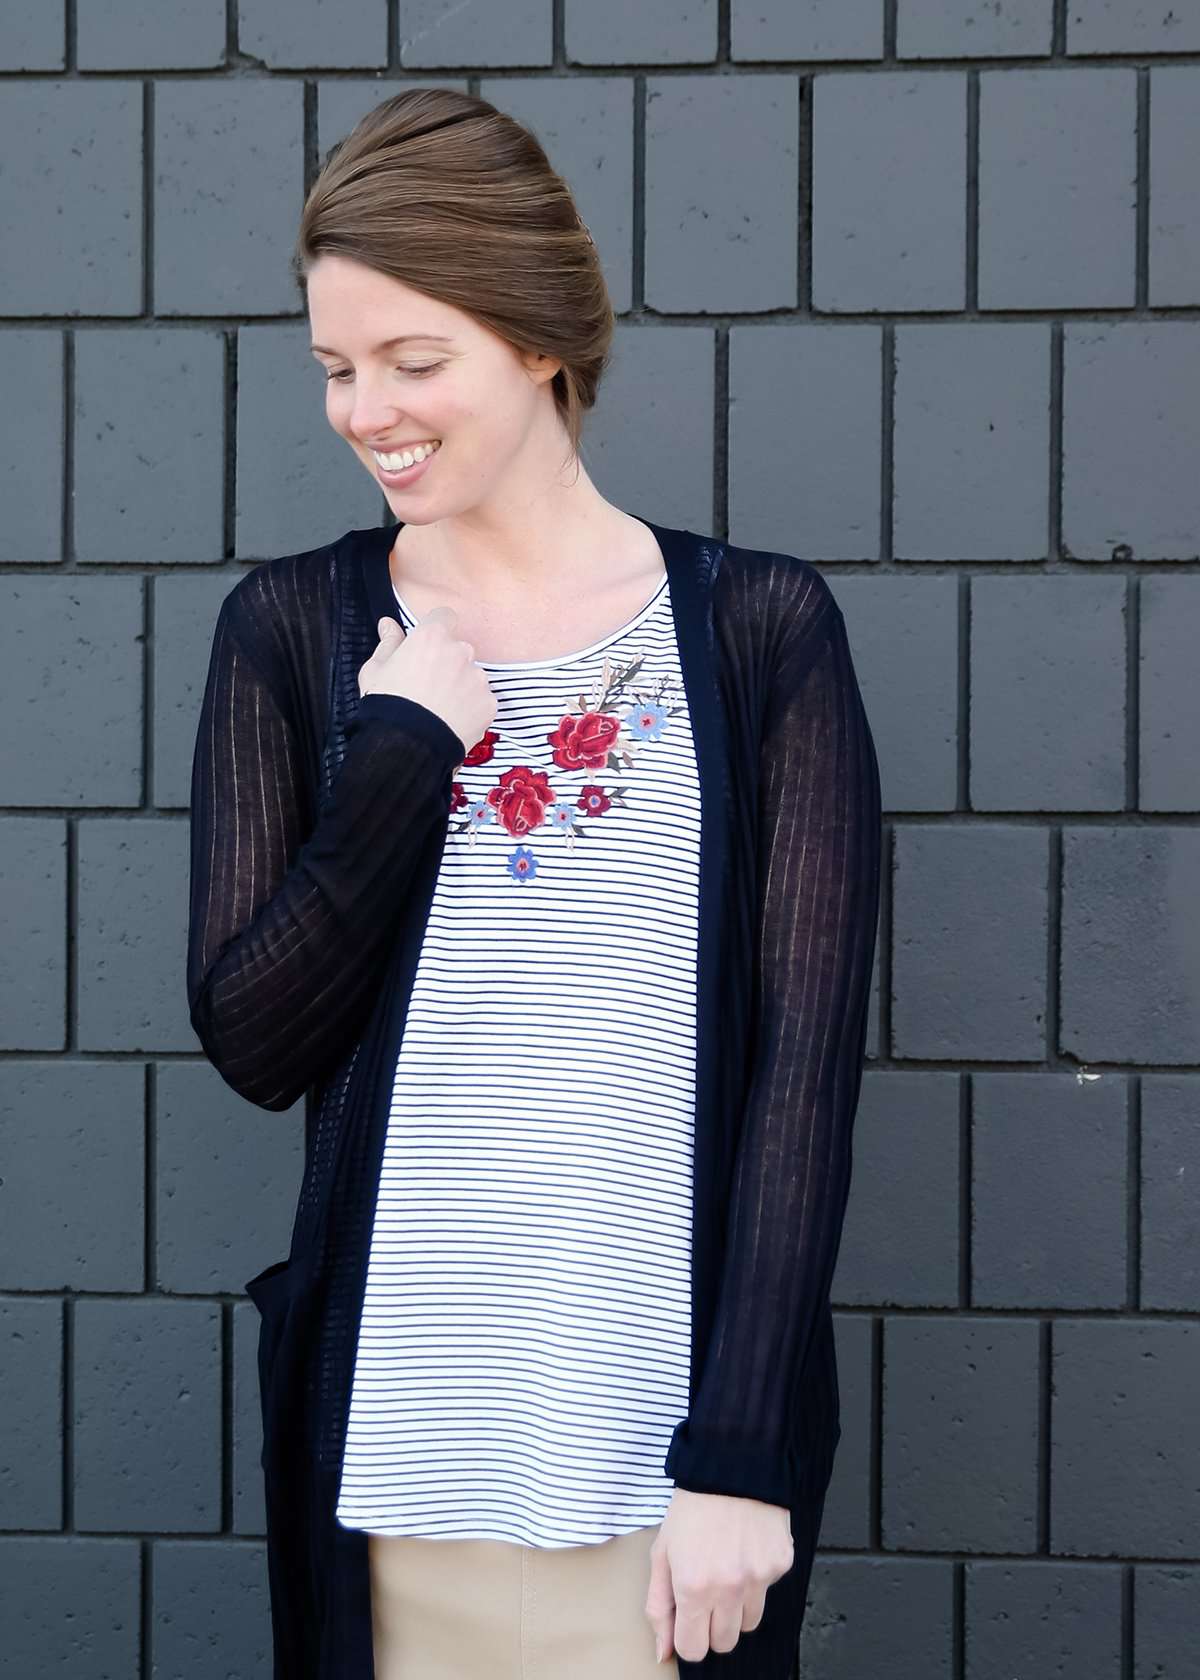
(491, 1610)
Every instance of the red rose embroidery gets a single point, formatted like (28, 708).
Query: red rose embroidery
(458, 797)
(583, 742)
(520, 799)
(484, 748)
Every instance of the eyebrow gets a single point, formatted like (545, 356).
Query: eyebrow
(389, 344)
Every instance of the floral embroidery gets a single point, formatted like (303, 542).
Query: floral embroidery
(595, 736)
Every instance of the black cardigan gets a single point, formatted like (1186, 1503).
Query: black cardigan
(318, 822)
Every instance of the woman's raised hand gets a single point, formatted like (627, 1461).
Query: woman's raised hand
(435, 668)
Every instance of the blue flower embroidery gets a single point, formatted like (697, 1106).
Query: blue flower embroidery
(646, 723)
(522, 864)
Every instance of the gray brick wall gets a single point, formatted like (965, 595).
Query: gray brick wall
(921, 284)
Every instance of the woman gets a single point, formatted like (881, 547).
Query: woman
(537, 846)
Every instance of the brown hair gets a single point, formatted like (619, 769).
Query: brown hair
(455, 198)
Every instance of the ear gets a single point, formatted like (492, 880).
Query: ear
(540, 366)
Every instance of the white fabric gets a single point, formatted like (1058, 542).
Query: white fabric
(525, 1341)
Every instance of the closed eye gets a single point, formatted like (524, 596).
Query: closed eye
(417, 372)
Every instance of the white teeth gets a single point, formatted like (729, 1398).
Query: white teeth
(407, 457)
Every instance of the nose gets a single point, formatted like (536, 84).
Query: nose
(373, 412)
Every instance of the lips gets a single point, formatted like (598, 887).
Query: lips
(403, 476)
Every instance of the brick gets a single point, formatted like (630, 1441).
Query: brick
(1174, 187)
(1057, 189)
(804, 474)
(654, 32)
(1130, 486)
(31, 1483)
(300, 484)
(129, 35)
(666, 470)
(185, 619)
(907, 1152)
(31, 466)
(960, 1430)
(716, 238)
(70, 1606)
(1166, 1619)
(972, 435)
(32, 35)
(72, 1159)
(819, 29)
(149, 469)
(1128, 963)
(1121, 1392)
(211, 1609)
(1072, 1247)
(147, 1415)
(226, 1182)
(879, 1616)
(959, 892)
(33, 912)
(973, 28)
(328, 33)
(904, 642)
(874, 1045)
(72, 652)
(889, 191)
(1041, 1618)
(228, 192)
(846, 1520)
(1168, 694)
(72, 183)
(1047, 693)
(131, 945)
(1170, 1205)
(438, 32)
(586, 125)
(1141, 26)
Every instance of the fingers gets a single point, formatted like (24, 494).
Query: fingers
(660, 1603)
(707, 1620)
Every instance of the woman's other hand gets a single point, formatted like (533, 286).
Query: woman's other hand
(710, 1567)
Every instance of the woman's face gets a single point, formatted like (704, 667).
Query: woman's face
(452, 379)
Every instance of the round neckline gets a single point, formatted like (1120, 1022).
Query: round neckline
(558, 659)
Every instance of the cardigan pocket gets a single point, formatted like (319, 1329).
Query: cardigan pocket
(282, 1341)
(271, 1291)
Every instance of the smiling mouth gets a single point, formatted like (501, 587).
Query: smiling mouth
(397, 460)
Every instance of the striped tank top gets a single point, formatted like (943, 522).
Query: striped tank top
(525, 1340)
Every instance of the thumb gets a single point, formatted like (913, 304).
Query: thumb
(388, 627)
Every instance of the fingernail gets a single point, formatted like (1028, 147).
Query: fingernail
(658, 1650)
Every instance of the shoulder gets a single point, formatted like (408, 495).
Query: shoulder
(283, 593)
(783, 597)
(280, 616)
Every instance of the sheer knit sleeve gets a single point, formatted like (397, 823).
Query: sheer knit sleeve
(817, 897)
(291, 916)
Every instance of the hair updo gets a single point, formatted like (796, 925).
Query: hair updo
(447, 194)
